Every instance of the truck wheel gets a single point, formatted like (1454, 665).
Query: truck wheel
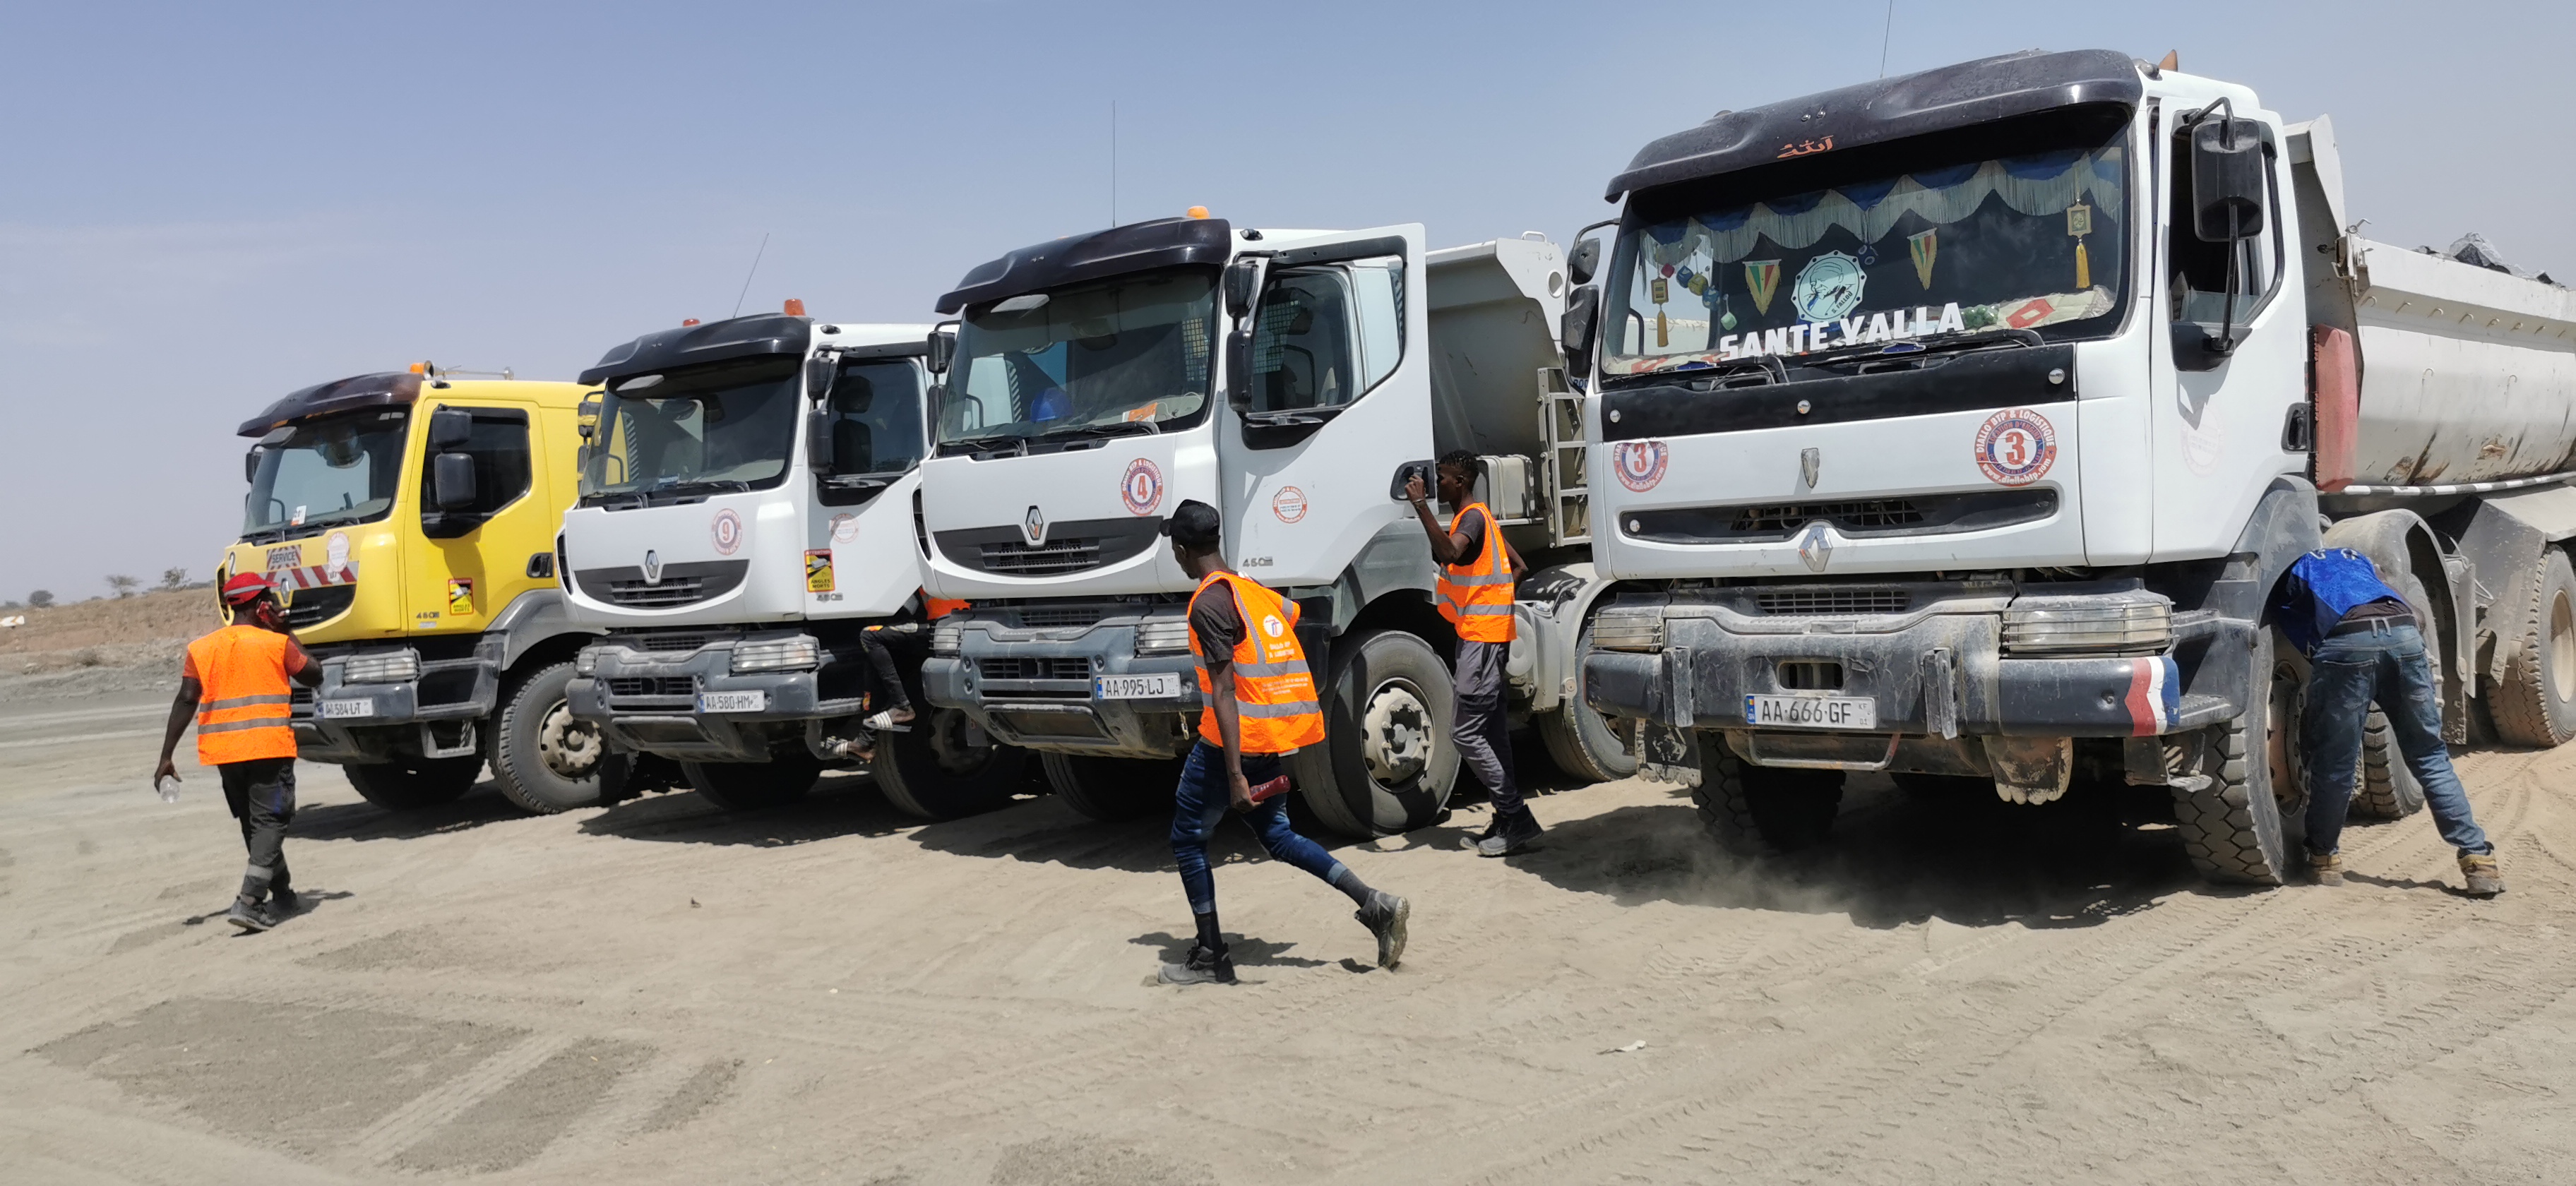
(946, 767)
(409, 783)
(1387, 763)
(2535, 703)
(2233, 826)
(2387, 789)
(1583, 743)
(545, 759)
(752, 786)
(1751, 809)
(1112, 788)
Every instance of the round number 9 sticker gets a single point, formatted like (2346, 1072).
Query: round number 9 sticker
(2016, 447)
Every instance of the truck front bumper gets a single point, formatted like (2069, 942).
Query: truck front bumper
(1038, 687)
(437, 713)
(655, 702)
(1939, 671)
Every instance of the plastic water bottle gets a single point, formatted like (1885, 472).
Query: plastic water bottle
(168, 785)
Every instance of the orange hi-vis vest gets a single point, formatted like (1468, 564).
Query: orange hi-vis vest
(242, 704)
(1476, 596)
(1274, 693)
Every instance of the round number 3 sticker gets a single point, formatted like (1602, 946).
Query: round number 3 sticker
(2016, 447)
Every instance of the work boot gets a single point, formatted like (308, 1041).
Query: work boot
(1201, 967)
(250, 916)
(283, 903)
(1516, 835)
(1493, 826)
(1385, 917)
(2325, 868)
(2485, 880)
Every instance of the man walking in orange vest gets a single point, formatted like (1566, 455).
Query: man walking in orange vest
(1259, 704)
(234, 684)
(1477, 570)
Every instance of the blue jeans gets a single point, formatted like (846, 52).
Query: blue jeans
(2348, 671)
(1203, 799)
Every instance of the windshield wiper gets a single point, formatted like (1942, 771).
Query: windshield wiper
(1110, 428)
(704, 486)
(1749, 372)
(1908, 355)
(878, 481)
(1291, 416)
(985, 444)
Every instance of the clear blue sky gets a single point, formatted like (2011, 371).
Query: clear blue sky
(204, 206)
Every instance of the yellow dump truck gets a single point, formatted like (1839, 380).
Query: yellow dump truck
(409, 519)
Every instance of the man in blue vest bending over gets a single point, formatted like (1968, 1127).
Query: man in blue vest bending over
(2362, 645)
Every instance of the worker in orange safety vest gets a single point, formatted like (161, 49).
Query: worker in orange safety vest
(1478, 568)
(234, 685)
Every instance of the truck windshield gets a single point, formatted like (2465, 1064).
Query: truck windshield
(726, 425)
(342, 469)
(1945, 245)
(1131, 350)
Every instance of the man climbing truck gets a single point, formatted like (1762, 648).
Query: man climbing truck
(1292, 379)
(1961, 425)
(746, 515)
(408, 520)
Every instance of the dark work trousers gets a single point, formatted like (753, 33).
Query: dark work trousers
(878, 642)
(1483, 729)
(261, 793)
(1201, 801)
(2387, 664)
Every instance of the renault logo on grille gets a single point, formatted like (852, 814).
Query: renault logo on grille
(1034, 527)
(652, 567)
(1815, 548)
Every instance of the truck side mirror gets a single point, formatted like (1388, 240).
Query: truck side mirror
(1243, 285)
(1583, 261)
(818, 440)
(2226, 180)
(1575, 328)
(451, 481)
(250, 464)
(820, 370)
(450, 428)
(941, 349)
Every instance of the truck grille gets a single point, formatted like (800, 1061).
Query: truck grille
(1044, 667)
(666, 644)
(670, 592)
(681, 584)
(1078, 545)
(1835, 601)
(1059, 616)
(1922, 514)
(653, 685)
(1865, 514)
(1046, 559)
(312, 607)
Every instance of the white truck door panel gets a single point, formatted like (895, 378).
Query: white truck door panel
(860, 560)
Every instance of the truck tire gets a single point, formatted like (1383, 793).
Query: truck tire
(1111, 789)
(406, 784)
(1581, 741)
(2233, 827)
(2387, 787)
(1750, 810)
(545, 759)
(1387, 763)
(946, 768)
(754, 786)
(2535, 703)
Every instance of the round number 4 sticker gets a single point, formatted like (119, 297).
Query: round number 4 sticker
(2016, 447)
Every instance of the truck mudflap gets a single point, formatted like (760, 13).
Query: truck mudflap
(1043, 688)
(694, 707)
(435, 713)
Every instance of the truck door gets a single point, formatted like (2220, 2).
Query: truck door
(1339, 396)
(468, 560)
(859, 543)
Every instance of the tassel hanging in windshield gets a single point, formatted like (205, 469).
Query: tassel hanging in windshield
(1662, 290)
(2079, 223)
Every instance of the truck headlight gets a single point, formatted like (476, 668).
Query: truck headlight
(948, 637)
(1163, 636)
(1638, 628)
(383, 667)
(2141, 626)
(777, 654)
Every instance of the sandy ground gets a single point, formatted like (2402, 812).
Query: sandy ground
(1962, 992)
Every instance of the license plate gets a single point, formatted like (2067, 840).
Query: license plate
(1158, 686)
(1811, 712)
(334, 710)
(732, 701)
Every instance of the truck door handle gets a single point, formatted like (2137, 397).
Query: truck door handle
(1430, 478)
(542, 566)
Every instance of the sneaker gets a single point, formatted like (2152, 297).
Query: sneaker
(1519, 836)
(2325, 868)
(1201, 967)
(2485, 880)
(250, 916)
(1385, 916)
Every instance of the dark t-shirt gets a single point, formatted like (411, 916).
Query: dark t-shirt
(1472, 528)
(1217, 626)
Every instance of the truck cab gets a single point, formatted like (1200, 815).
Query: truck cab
(745, 515)
(408, 518)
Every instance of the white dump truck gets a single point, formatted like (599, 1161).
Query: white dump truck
(746, 510)
(1961, 424)
(1291, 379)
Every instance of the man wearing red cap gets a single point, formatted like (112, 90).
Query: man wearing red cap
(234, 685)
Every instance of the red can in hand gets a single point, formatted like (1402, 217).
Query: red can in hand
(1264, 792)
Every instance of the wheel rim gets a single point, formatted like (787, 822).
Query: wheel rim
(953, 743)
(2562, 648)
(2287, 704)
(1395, 742)
(569, 746)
